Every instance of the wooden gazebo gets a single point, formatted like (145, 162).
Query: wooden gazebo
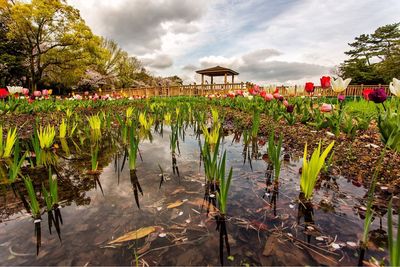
(217, 71)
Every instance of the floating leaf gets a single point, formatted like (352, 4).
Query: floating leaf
(175, 204)
(134, 235)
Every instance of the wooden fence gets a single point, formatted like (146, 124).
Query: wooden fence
(208, 89)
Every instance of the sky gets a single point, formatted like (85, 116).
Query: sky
(266, 41)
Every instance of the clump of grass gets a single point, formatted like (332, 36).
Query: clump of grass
(46, 136)
(274, 154)
(6, 147)
(312, 168)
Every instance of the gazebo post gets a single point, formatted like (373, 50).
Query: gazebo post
(212, 81)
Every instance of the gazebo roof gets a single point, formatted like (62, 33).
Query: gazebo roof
(217, 71)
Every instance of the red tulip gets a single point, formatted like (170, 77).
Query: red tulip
(276, 90)
(3, 93)
(309, 87)
(366, 93)
(325, 82)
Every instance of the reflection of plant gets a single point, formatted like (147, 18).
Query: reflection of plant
(33, 203)
(46, 136)
(274, 153)
(311, 169)
(394, 244)
(7, 146)
(173, 138)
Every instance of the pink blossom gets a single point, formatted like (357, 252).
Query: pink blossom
(268, 97)
(37, 93)
(45, 92)
(326, 107)
(285, 103)
(25, 91)
(277, 95)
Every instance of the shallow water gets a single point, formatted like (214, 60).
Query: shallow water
(94, 212)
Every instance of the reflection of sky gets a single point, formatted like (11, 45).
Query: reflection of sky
(86, 228)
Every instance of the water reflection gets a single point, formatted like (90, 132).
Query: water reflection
(136, 186)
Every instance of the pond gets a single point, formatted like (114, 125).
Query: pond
(265, 224)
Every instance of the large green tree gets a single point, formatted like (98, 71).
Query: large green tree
(54, 38)
(374, 58)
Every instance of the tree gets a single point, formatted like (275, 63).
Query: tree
(12, 60)
(53, 35)
(374, 58)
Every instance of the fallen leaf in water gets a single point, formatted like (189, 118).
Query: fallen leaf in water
(335, 246)
(175, 204)
(134, 235)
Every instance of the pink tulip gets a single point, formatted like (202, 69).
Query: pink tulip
(86, 93)
(277, 95)
(285, 103)
(25, 91)
(326, 108)
(268, 97)
(45, 92)
(37, 93)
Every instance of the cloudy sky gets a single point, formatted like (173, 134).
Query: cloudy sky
(266, 41)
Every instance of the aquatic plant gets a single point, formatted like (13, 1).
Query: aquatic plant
(311, 169)
(256, 123)
(94, 152)
(7, 146)
(33, 203)
(46, 136)
(274, 153)
(224, 185)
(51, 196)
(95, 124)
(393, 244)
(62, 129)
(133, 148)
(210, 159)
(146, 123)
(16, 164)
(167, 118)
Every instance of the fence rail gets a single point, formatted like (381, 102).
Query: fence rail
(207, 89)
